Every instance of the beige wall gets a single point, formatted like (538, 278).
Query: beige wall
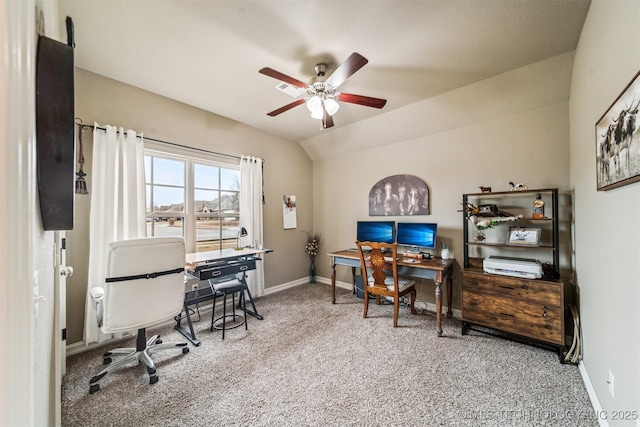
(607, 231)
(514, 127)
(287, 170)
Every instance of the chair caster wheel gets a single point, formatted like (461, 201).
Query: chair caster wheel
(93, 388)
(106, 360)
(153, 379)
(185, 350)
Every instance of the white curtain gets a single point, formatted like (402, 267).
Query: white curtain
(117, 205)
(251, 216)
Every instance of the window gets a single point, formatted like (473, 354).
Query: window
(193, 198)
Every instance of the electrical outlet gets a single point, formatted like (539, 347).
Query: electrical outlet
(610, 382)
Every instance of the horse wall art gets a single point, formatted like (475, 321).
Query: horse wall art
(399, 195)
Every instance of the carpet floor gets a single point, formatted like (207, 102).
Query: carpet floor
(313, 363)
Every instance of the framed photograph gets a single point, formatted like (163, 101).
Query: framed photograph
(618, 140)
(524, 236)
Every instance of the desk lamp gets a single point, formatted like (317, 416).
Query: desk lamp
(241, 233)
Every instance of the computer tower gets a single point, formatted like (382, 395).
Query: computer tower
(359, 287)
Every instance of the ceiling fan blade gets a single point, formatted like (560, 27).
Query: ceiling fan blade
(367, 101)
(346, 69)
(286, 108)
(283, 77)
(327, 120)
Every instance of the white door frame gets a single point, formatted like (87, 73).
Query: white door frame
(61, 272)
(17, 212)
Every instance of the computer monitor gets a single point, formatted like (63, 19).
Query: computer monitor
(376, 231)
(419, 234)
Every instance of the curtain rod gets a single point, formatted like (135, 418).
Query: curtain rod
(82, 126)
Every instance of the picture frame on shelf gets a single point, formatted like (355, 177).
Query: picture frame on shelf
(617, 136)
(524, 236)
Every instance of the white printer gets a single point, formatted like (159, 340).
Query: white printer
(516, 267)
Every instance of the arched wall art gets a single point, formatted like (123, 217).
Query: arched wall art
(399, 195)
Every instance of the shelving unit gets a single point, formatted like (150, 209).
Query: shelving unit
(548, 224)
(532, 309)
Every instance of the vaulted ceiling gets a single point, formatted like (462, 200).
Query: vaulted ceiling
(207, 53)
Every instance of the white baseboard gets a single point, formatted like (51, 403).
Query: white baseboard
(282, 287)
(592, 394)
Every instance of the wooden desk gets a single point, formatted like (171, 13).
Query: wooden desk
(435, 269)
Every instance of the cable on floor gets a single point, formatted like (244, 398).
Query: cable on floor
(573, 355)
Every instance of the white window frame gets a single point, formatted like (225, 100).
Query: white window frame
(188, 214)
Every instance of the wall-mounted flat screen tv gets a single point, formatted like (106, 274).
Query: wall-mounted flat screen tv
(418, 234)
(376, 231)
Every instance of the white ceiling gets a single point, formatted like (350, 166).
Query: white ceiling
(207, 53)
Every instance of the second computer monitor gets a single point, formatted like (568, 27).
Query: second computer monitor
(417, 234)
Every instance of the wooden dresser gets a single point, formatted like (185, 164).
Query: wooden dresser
(529, 308)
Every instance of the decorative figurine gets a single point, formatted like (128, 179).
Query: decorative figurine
(518, 187)
(485, 189)
(538, 207)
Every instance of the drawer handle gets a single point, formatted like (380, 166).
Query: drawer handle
(216, 273)
(506, 287)
(244, 267)
(507, 314)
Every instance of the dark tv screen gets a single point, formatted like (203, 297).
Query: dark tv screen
(376, 231)
(55, 133)
(420, 234)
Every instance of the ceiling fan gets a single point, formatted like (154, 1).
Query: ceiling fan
(322, 95)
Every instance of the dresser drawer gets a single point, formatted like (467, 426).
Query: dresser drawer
(538, 291)
(539, 321)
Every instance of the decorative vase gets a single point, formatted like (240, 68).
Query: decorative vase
(444, 253)
(313, 274)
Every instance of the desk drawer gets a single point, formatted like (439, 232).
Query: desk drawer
(539, 291)
(231, 268)
(532, 320)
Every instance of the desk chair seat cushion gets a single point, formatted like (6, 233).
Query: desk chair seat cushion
(133, 304)
(228, 286)
(403, 283)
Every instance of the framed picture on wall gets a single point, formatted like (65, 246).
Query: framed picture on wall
(618, 140)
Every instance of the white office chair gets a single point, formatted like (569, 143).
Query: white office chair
(144, 287)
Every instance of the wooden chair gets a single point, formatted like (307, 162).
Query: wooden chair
(375, 265)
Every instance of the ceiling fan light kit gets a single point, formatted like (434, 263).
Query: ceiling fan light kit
(317, 104)
(322, 97)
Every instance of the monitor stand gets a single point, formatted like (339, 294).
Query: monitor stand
(413, 250)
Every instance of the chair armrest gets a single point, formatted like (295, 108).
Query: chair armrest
(97, 299)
